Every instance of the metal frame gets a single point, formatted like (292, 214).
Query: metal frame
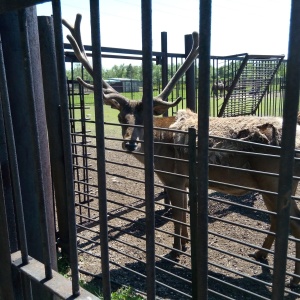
(200, 281)
(31, 186)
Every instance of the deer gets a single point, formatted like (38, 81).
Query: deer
(244, 134)
(216, 87)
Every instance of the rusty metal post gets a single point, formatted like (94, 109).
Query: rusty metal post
(11, 211)
(32, 150)
(4, 162)
(52, 105)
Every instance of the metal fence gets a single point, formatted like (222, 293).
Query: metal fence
(241, 84)
(237, 225)
(107, 194)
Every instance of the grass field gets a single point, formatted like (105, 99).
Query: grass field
(269, 106)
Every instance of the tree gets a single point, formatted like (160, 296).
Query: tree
(78, 71)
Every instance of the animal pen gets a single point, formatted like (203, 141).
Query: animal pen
(107, 210)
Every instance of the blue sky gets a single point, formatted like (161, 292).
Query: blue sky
(238, 26)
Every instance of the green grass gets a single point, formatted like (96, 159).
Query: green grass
(123, 293)
(126, 293)
(111, 115)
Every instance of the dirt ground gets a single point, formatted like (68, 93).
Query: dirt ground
(233, 235)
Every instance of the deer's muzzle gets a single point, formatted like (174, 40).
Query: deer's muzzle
(130, 145)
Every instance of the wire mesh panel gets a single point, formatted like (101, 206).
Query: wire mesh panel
(251, 82)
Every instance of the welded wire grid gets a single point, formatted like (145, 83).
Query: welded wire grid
(237, 226)
(249, 84)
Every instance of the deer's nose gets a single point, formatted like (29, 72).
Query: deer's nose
(130, 145)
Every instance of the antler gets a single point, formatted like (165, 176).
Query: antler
(183, 68)
(76, 43)
(111, 96)
(160, 104)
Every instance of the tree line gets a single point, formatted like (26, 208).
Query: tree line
(135, 72)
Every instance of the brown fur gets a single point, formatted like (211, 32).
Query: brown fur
(258, 130)
(262, 130)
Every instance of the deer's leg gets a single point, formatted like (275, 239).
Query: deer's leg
(267, 244)
(177, 200)
(270, 203)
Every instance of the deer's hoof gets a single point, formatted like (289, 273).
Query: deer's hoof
(174, 254)
(259, 255)
(184, 247)
(184, 242)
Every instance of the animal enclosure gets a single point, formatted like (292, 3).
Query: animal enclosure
(128, 197)
(237, 225)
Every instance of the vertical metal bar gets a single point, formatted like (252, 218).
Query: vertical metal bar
(65, 122)
(7, 142)
(99, 112)
(164, 62)
(193, 206)
(149, 147)
(190, 76)
(5, 116)
(287, 152)
(52, 103)
(21, 103)
(164, 59)
(6, 287)
(203, 130)
(35, 137)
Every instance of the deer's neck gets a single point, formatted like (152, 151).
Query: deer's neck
(159, 135)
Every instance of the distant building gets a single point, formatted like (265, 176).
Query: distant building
(122, 85)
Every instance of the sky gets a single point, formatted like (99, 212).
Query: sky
(238, 26)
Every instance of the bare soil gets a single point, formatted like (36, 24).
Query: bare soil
(233, 235)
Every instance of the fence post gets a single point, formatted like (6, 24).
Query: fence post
(164, 62)
(6, 287)
(27, 99)
(146, 8)
(190, 76)
(203, 132)
(52, 104)
(287, 154)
